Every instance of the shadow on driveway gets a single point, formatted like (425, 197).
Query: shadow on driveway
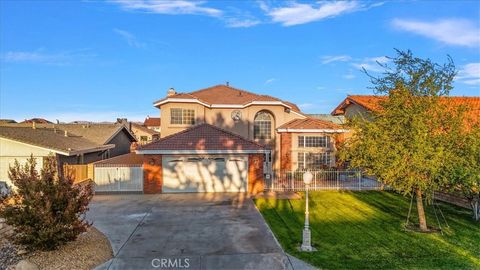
(186, 231)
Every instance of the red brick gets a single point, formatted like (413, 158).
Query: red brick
(285, 151)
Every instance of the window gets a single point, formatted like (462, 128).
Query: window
(313, 161)
(313, 141)
(182, 116)
(262, 126)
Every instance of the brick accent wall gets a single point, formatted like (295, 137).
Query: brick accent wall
(286, 151)
(255, 174)
(152, 174)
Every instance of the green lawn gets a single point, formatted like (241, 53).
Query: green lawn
(364, 230)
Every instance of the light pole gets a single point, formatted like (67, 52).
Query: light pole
(307, 238)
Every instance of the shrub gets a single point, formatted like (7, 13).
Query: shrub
(48, 210)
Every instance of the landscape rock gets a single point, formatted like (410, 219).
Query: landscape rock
(25, 265)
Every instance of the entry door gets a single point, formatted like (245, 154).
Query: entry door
(267, 162)
(205, 174)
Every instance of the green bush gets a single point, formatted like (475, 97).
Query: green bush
(48, 210)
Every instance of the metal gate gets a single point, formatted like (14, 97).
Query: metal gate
(118, 178)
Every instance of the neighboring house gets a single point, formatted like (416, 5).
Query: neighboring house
(226, 139)
(356, 105)
(153, 123)
(71, 144)
(143, 134)
(36, 120)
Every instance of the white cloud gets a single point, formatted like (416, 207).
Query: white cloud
(130, 38)
(169, 7)
(458, 32)
(305, 106)
(469, 74)
(349, 76)
(42, 57)
(379, 59)
(270, 81)
(298, 13)
(241, 23)
(335, 58)
(371, 63)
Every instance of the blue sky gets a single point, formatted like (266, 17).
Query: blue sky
(99, 60)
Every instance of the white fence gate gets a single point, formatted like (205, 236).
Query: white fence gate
(322, 180)
(118, 178)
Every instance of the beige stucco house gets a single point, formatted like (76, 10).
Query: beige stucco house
(287, 138)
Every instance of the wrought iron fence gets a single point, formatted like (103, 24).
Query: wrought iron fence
(322, 180)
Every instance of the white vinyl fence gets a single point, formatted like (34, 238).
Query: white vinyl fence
(118, 178)
(322, 180)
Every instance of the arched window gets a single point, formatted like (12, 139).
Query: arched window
(262, 125)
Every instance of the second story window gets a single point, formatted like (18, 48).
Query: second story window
(313, 141)
(180, 116)
(262, 126)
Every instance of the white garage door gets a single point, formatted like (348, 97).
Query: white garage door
(205, 173)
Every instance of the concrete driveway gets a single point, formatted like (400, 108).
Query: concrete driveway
(186, 231)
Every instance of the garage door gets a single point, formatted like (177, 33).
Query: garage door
(205, 173)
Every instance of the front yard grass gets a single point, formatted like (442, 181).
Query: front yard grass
(364, 230)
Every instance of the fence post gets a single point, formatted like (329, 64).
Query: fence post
(271, 180)
(292, 181)
(338, 180)
(359, 176)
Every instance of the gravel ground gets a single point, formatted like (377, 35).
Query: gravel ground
(91, 249)
(8, 255)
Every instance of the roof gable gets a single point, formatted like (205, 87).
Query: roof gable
(226, 95)
(203, 137)
(373, 103)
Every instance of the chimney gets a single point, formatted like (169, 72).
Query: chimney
(171, 92)
(66, 133)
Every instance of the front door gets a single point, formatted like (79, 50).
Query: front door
(267, 163)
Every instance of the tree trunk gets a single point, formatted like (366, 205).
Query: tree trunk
(421, 212)
(476, 209)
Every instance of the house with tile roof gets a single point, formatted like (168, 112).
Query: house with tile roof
(226, 139)
(153, 123)
(354, 105)
(69, 143)
(143, 134)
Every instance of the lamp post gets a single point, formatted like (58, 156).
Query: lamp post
(307, 238)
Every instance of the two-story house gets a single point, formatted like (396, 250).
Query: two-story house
(226, 139)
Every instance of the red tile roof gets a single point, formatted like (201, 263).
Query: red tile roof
(373, 103)
(310, 123)
(152, 122)
(223, 94)
(203, 137)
